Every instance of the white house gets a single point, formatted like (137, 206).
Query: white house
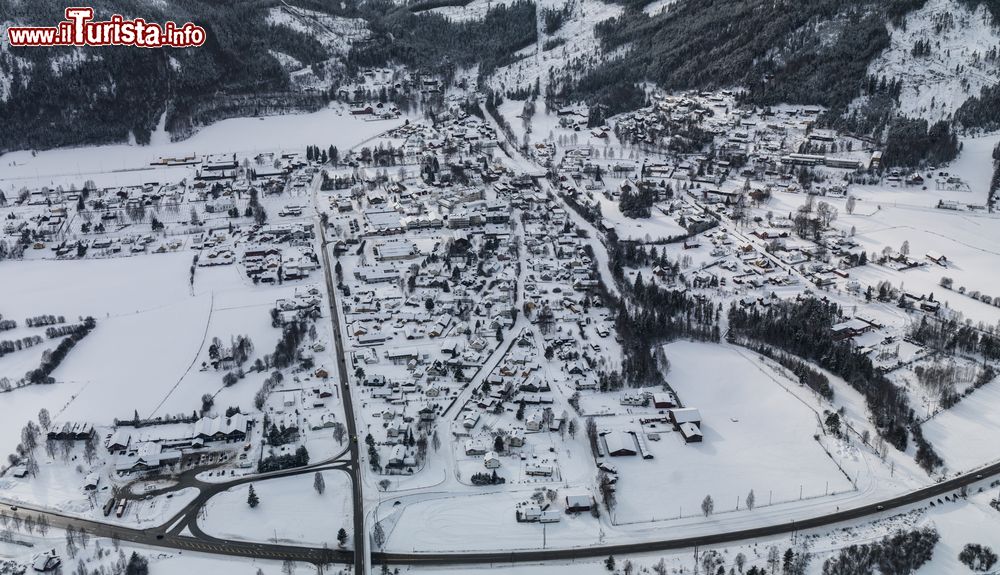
(476, 446)
(491, 460)
(578, 500)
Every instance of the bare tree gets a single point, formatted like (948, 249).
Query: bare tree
(741, 560)
(71, 547)
(319, 484)
(591, 428)
(90, 449)
(43, 419)
(66, 448)
(707, 505)
(773, 558)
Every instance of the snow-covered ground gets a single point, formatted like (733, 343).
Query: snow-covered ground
(335, 33)
(933, 86)
(476, 522)
(753, 430)
(657, 7)
(126, 296)
(580, 47)
(474, 10)
(290, 512)
(120, 164)
(101, 555)
(966, 434)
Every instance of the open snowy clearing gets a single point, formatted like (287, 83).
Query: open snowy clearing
(145, 295)
(105, 164)
(146, 351)
(467, 522)
(968, 434)
(290, 511)
(754, 433)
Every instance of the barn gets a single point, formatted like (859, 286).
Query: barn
(619, 444)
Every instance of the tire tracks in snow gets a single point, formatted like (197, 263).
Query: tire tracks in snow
(194, 360)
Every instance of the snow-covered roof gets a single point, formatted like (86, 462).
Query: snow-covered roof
(210, 426)
(686, 415)
(619, 442)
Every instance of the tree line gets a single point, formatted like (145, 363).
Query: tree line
(803, 328)
(52, 359)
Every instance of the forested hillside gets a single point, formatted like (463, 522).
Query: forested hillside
(104, 94)
(432, 42)
(816, 52)
(64, 96)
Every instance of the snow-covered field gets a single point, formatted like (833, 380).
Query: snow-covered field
(966, 435)
(289, 510)
(146, 352)
(485, 521)
(754, 433)
(119, 165)
(98, 380)
(658, 7)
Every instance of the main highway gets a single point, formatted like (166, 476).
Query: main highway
(871, 511)
(170, 537)
(360, 533)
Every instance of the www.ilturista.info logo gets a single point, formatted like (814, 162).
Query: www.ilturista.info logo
(79, 29)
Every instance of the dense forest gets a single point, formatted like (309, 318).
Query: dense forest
(63, 96)
(981, 111)
(807, 52)
(900, 554)
(429, 41)
(649, 316)
(910, 142)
